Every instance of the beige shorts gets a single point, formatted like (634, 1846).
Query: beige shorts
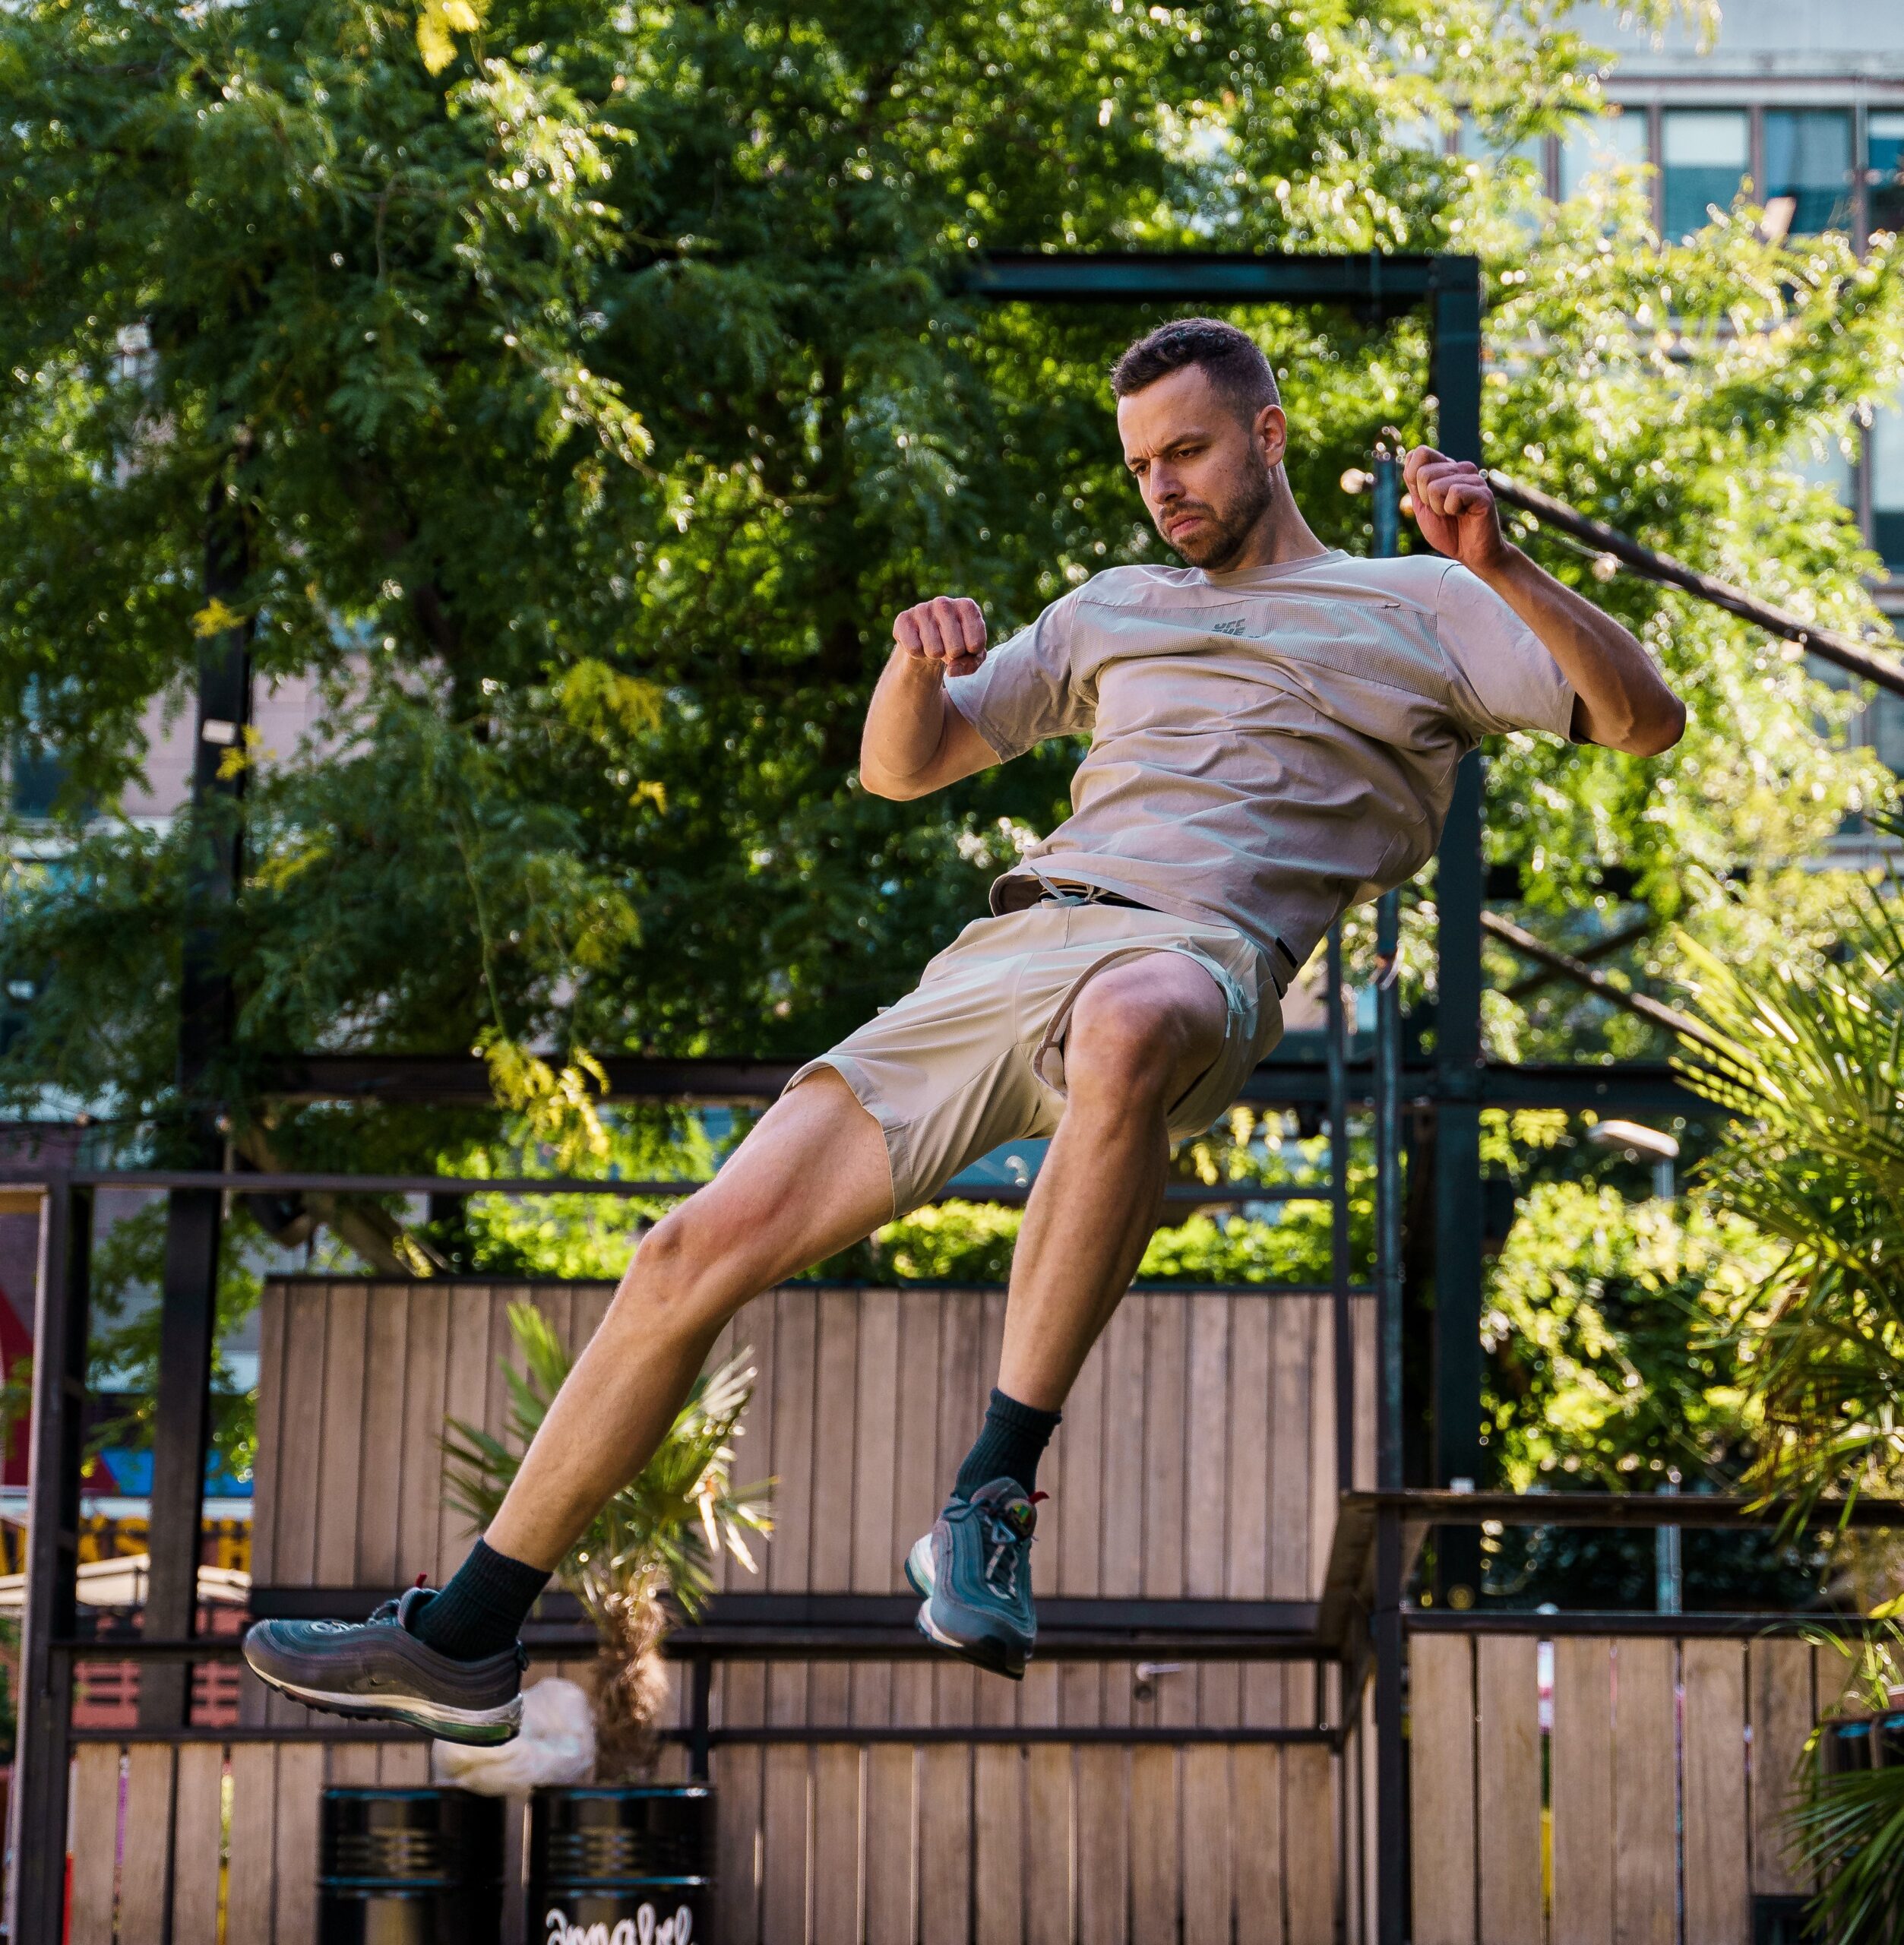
(975, 1056)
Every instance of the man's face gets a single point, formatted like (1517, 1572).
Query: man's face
(1206, 476)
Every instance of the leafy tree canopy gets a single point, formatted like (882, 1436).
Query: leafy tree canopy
(588, 388)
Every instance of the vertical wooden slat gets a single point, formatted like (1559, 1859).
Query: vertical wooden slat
(267, 1468)
(1507, 1767)
(251, 1880)
(999, 1844)
(877, 1549)
(1645, 1807)
(1120, 1574)
(340, 1468)
(1362, 1309)
(917, 1489)
(1716, 1873)
(426, 1363)
(351, 1766)
(1048, 1854)
(386, 1406)
(835, 1376)
(465, 1396)
(795, 1346)
(403, 1765)
(94, 1843)
(1256, 1772)
(300, 1774)
(1780, 1675)
(198, 1839)
(1580, 1760)
(1441, 1743)
(1247, 1470)
(945, 1843)
(963, 1384)
(1309, 1850)
(1209, 1836)
(1155, 1863)
(1081, 1538)
(1207, 1448)
(736, 1773)
(146, 1851)
(784, 1835)
(1292, 1377)
(1103, 1824)
(301, 1437)
(1166, 1379)
(1322, 1489)
(837, 1868)
(892, 1844)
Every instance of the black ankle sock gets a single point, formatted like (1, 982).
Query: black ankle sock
(481, 1610)
(1010, 1443)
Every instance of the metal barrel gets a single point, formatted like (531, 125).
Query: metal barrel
(636, 1860)
(409, 1867)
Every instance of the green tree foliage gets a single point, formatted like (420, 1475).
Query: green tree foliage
(587, 392)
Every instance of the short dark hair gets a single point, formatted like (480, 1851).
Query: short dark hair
(1230, 359)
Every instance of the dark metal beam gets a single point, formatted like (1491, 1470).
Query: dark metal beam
(1285, 1079)
(1374, 284)
(1830, 645)
(195, 1220)
(36, 1886)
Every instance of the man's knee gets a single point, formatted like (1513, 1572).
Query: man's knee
(1128, 1046)
(676, 1279)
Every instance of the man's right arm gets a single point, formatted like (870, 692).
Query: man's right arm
(914, 740)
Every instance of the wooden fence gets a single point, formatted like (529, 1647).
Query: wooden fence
(823, 1842)
(1196, 1459)
(1669, 1765)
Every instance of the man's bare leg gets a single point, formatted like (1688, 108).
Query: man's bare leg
(1141, 1035)
(812, 1178)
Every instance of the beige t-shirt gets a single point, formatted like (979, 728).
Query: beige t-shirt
(1267, 746)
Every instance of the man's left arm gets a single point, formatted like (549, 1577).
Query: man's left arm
(1620, 700)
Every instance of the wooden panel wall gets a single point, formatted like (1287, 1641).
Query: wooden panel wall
(1197, 1458)
(1670, 1764)
(889, 1843)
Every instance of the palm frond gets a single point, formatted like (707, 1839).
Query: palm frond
(666, 1528)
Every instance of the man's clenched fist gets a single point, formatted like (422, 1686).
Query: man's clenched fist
(948, 630)
(1454, 506)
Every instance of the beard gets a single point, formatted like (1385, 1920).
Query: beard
(1226, 528)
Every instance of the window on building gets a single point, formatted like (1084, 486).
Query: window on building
(34, 777)
(1603, 143)
(1886, 452)
(1704, 154)
(1831, 469)
(1884, 170)
(1474, 138)
(1808, 170)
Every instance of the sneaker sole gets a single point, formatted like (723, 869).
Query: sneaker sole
(479, 1727)
(918, 1574)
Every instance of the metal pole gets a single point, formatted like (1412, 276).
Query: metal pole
(1459, 885)
(36, 1886)
(1338, 1267)
(1391, 1823)
(189, 1320)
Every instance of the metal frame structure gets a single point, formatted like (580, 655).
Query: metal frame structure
(1367, 1625)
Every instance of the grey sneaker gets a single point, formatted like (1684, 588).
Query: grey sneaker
(973, 1573)
(377, 1670)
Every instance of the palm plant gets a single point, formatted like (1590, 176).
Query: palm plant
(659, 1536)
(1810, 1062)
(1847, 1825)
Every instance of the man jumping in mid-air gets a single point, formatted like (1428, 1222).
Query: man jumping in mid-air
(1274, 730)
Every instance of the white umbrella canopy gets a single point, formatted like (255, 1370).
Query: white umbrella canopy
(122, 1581)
